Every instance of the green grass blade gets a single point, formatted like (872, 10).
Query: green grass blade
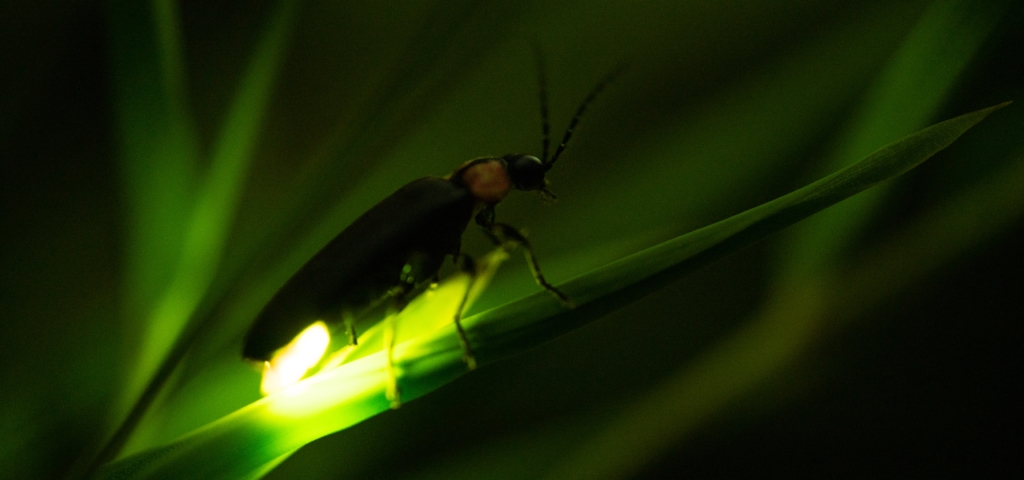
(256, 435)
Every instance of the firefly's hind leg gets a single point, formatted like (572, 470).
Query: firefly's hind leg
(502, 234)
(467, 265)
(418, 268)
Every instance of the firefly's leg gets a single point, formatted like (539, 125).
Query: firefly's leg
(501, 234)
(418, 268)
(396, 298)
(467, 265)
(350, 327)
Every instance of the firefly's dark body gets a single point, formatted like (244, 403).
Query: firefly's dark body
(419, 225)
(402, 242)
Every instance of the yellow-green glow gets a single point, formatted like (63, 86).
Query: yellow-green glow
(433, 309)
(429, 311)
(291, 362)
(327, 390)
(363, 366)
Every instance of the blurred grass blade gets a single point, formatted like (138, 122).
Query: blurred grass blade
(256, 435)
(205, 232)
(217, 198)
(915, 83)
(977, 215)
(159, 152)
(160, 157)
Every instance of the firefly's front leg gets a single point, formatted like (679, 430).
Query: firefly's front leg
(502, 234)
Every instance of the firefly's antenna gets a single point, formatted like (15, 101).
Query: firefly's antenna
(579, 113)
(542, 84)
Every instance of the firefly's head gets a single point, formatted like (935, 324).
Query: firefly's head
(525, 171)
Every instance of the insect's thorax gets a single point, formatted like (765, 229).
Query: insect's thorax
(486, 179)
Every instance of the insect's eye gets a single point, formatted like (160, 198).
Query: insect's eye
(527, 171)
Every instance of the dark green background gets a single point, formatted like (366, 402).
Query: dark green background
(725, 105)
